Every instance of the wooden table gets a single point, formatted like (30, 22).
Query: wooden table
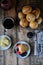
(17, 33)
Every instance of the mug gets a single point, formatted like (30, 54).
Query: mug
(6, 4)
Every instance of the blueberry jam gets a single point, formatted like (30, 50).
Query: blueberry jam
(17, 49)
(30, 34)
(23, 54)
(8, 23)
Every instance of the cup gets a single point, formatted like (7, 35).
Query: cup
(6, 4)
(30, 34)
(8, 23)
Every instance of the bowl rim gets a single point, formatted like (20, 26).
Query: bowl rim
(9, 18)
(23, 42)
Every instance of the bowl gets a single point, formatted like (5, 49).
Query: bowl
(28, 51)
(8, 46)
(6, 4)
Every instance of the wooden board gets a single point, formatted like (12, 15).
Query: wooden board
(1, 33)
(18, 33)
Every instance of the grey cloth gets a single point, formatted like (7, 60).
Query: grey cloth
(38, 43)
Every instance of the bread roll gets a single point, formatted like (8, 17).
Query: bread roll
(21, 15)
(36, 12)
(33, 25)
(23, 22)
(22, 48)
(26, 9)
(30, 17)
(39, 20)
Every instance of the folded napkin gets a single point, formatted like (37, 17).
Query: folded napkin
(38, 43)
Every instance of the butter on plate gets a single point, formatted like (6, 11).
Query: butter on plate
(4, 41)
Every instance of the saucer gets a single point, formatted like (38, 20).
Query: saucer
(5, 48)
(28, 51)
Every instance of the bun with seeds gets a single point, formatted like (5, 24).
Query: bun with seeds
(39, 20)
(33, 25)
(30, 17)
(21, 15)
(23, 22)
(26, 9)
(36, 12)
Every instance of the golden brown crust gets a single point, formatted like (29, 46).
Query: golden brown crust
(36, 12)
(26, 9)
(39, 20)
(22, 48)
(33, 25)
(30, 17)
(23, 22)
(21, 15)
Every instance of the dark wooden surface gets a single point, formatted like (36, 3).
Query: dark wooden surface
(17, 33)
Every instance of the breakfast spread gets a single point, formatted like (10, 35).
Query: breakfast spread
(28, 17)
(32, 17)
(4, 42)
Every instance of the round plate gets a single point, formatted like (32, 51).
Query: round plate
(28, 52)
(5, 48)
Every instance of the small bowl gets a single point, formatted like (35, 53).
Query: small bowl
(5, 48)
(28, 51)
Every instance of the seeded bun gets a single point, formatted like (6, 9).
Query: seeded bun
(39, 20)
(21, 15)
(36, 12)
(23, 22)
(30, 17)
(33, 25)
(26, 9)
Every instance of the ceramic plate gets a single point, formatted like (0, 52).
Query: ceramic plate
(5, 48)
(28, 52)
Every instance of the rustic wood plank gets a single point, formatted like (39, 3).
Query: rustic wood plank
(11, 13)
(10, 58)
(33, 3)
(22, 35)
(1, 60)
(1, 33)
(21, 3)
(36, 60)
(25, 61)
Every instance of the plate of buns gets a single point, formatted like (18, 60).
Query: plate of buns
(22, 49)
(29, 17)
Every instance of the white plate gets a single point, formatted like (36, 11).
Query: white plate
(28, 52)
(5, 48)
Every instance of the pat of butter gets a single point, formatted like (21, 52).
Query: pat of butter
(4, 42)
